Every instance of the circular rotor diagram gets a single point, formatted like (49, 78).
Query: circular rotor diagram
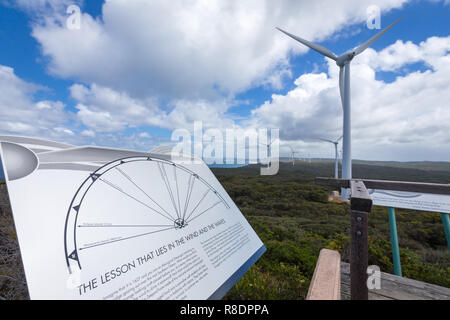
(131, 198)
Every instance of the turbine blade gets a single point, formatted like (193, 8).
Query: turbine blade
(341, 83)
(337, 140)
(311, 45)
(326, 140)
(369, 42)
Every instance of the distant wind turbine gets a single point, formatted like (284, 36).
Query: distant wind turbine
(336, 155)
(343, 62)
(292, 154)
(268, 149)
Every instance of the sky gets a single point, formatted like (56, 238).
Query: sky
(135, 71)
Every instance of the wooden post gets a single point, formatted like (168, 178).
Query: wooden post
(360, 206)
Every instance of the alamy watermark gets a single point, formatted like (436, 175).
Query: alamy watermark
(373, 13)
(230, 146)
(373, 277)
(73, 22)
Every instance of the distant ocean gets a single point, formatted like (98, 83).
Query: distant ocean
(227, 165)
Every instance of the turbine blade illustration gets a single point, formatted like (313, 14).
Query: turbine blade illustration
(369, 42)
(162, 150)
(311, 45)
(36, 145)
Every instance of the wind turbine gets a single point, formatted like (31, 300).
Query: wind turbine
(343, 62)
(336, 155)
(292, 154)
(268, 149)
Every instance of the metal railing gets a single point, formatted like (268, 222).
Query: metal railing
(360, 207)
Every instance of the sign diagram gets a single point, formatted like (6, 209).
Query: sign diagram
(411, 200)
(184, 197)
(103, 223)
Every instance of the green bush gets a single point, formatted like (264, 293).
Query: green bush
(294, 220)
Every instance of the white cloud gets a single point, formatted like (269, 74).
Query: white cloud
(277, 78)
(100, 120)
(88, 133)
(144, 135)
(186, 112)
(167, 64)
(44, 11)
(191, 49)
(41, 6)
(64, 131)
(19, 113)
(409, 114)
(103, 109)
(402, 53)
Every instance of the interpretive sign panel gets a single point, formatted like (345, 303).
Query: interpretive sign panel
(411, 200)
(99, 223)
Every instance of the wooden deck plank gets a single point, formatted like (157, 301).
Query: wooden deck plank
(396, 288)
(345, 293)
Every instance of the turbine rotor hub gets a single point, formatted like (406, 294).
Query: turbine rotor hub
(345, 58)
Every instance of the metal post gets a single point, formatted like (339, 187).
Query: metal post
(394, 242)
(360, 206)
(446, 223)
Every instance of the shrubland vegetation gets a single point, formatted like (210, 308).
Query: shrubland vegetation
(12, 278)
(294, 219)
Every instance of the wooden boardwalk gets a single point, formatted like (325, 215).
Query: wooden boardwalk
(396, 288)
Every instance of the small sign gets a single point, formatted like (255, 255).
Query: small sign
(411, 200)
(100, 223)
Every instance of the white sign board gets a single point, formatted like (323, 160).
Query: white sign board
(98, 223)
(411, 200)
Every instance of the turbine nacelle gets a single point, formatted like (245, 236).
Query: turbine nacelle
(345, 58)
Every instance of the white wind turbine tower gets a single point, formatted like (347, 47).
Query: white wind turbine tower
(336, 155)
(343, 62)
(292, 154)
(268, 149)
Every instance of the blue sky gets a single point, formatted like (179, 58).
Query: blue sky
(421, 20)
(113, 82)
